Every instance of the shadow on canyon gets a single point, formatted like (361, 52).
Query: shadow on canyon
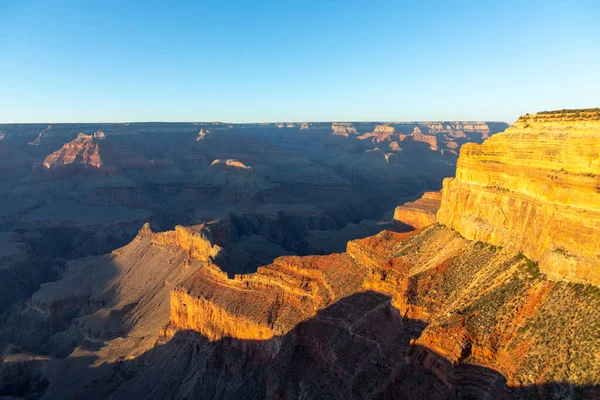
(359, 347)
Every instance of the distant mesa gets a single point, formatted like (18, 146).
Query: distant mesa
(229, 181)
(343, 129)
(419, 136)
(460, 129)
(380, 134)
(286, 125)
(452, 145)
(82, 150)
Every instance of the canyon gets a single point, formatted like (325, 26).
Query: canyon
(74, 190)
(258, 265)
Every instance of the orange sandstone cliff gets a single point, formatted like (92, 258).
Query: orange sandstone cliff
(484, 322)
(420, 213)
(534, 188)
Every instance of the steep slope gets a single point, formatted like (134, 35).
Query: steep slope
(381, 133)
(534, 188)
(423, 314)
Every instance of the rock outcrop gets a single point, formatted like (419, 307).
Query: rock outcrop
(265, 304)
(459, 129)
(343, 129)
(420, 213)
(479, 316)
(202, 134)
(381, 133)
(201, 242)
(421, 314)
(534, 188)
(82, 150)
(419, 136)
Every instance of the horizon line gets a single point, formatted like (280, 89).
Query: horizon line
(260, 123)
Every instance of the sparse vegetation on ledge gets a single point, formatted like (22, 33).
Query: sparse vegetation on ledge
(564, 114)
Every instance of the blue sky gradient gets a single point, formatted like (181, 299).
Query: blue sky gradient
(242, 61)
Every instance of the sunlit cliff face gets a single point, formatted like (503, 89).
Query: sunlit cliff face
(534, 188)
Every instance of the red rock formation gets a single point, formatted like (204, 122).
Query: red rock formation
(483, 307)
(270, 302)
(382, 133)
(419, 136)
(343, 129)
(489, 312)
(194, 240)
(82, 150)
(420, 213)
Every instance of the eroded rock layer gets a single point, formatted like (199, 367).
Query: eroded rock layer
(268, 303)
(82, 150)
(419, 213)
(534, 188)
(467, 319)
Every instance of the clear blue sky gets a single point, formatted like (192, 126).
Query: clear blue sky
(243, 61)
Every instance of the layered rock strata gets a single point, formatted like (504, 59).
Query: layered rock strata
(420, 213)
(265, 304)
(419, 136)
(380, 134)
(534, 188)
(343, 129)
(82, 150)
(489, 320)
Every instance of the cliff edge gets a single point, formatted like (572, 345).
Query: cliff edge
(534, 188)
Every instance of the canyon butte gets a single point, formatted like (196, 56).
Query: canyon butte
(298, 260)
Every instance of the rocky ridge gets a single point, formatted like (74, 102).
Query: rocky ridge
(502, 319)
